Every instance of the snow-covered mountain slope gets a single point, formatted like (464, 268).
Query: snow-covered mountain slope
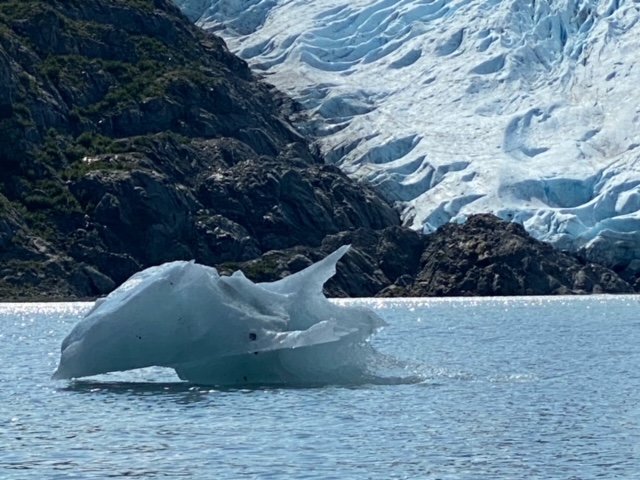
(528, 109)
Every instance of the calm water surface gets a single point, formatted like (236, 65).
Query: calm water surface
(524, 388)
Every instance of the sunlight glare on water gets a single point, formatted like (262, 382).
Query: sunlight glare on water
(522, 388)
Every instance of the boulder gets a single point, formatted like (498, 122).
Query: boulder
(488, 256)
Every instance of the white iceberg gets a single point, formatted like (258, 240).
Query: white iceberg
(221, 330)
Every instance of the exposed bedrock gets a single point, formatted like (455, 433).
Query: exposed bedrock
(487, 256)
(619, 251)
(129, 137)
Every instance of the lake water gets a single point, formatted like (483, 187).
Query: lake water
(519, 388)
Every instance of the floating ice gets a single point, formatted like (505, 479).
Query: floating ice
(528, 109)
(222, 330)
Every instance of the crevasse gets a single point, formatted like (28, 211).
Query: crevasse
(527, 109)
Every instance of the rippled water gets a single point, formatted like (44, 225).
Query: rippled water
(512, 388)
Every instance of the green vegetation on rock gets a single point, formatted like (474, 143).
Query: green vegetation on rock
(129, 137)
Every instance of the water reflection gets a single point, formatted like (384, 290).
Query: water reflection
(184, 392)
(192, 393)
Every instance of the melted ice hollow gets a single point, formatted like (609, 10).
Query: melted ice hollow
(223, 330)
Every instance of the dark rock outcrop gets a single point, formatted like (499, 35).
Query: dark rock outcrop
(619, 251)
(128, 137)
(487, 256)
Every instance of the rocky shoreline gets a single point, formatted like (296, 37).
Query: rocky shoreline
(128, 138)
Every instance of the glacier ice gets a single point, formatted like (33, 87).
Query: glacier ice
(530, 110)
(225, 330)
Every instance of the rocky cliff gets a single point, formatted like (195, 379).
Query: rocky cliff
(128, 137)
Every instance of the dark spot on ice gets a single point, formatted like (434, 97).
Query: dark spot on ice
(255, 353)
(139, 337)
(252, 336)
(244, 378)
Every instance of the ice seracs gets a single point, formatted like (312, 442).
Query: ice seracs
(530, 110)
(222, 330)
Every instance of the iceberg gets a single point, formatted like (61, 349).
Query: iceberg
(225, 330)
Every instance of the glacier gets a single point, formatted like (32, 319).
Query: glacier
(226, 330)
(529, 109)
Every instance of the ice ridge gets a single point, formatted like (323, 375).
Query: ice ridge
(527, 109)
